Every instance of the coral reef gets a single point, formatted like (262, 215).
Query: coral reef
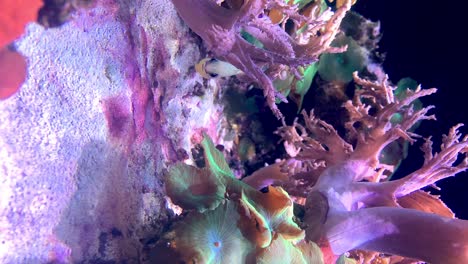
(111, 97)
(349, 203)
(232, 222)
(347, 180)
(120, 148)
(220, 29)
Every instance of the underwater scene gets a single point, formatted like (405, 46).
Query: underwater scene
(233, 131)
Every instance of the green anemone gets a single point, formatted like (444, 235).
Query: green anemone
(233, 222)
(213, 237)
(214, 159)
(194, 188)
(282, 250)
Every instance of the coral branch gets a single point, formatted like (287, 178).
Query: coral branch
(371, 124)
(376, 130)
(349, 207)
(312, 153)
(266, 176)
(322, 44)
(404, 232)
(325, 144)
(437, 166)
(219, 27)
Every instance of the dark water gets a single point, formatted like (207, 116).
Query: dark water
(424, 40)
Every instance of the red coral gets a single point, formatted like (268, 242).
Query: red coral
(12, 71)
(14, 15)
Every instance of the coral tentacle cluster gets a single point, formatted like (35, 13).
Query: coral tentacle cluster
(353, 186)
(350, 203)
(346, 202)
(233, 223)
(220, 26)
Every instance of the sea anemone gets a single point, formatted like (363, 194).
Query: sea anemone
(233, 222)
(213, 237)
(194, 188)
(283, 251)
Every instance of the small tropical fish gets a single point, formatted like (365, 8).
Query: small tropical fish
(210, 67)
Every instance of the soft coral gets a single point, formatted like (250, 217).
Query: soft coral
(221, 27)
(350, 205)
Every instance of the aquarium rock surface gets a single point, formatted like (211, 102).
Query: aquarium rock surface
(84, 143)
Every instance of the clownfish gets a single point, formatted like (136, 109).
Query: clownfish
(210, 68)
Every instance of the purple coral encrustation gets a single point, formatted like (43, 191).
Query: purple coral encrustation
(220, 28)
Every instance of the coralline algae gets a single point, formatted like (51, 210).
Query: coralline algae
(85, 140)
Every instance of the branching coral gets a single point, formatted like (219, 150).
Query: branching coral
(349, 204)
(220, 26)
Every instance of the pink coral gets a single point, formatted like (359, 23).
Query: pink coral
(220, 27)
(350, 205)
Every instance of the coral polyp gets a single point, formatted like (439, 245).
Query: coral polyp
(246, 226)
(213, 237)
(220, 28)
(350, 204)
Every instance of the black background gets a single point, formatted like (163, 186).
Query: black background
(426, 40)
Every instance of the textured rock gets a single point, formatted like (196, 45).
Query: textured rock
(108, 103)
